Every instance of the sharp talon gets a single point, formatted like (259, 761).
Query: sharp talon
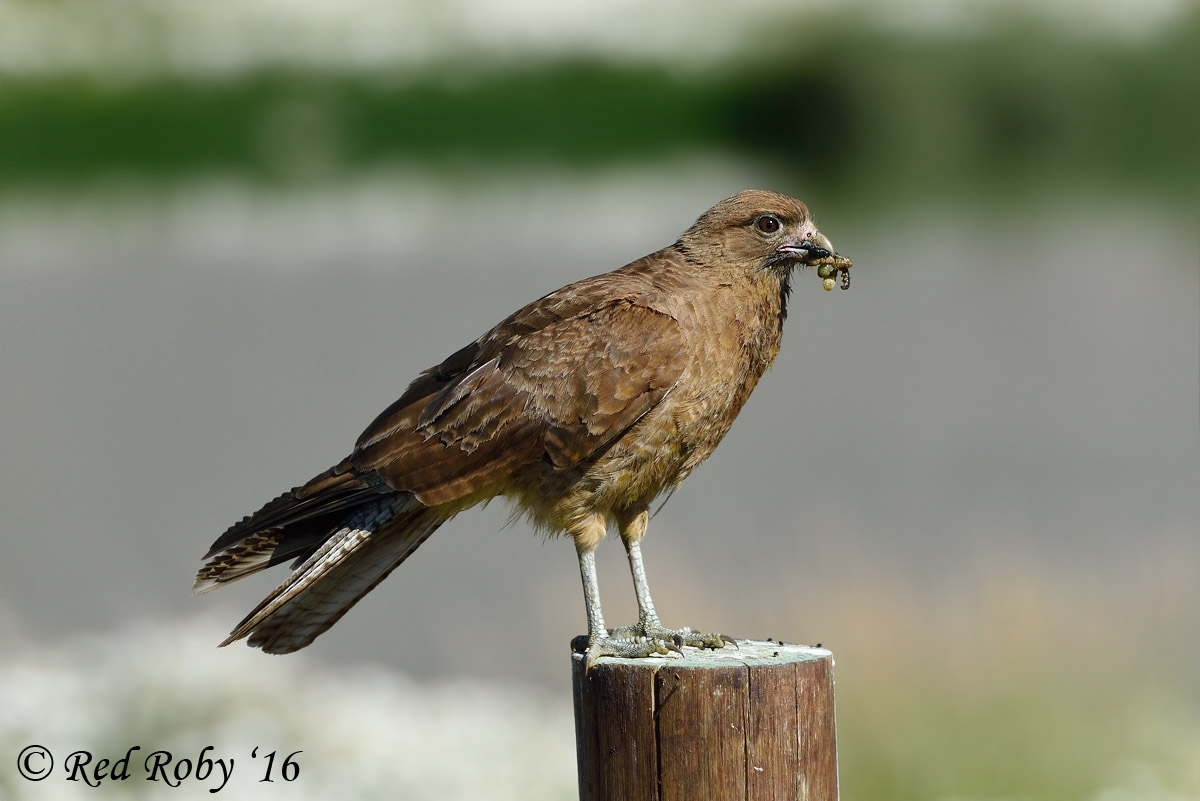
(729, 640)
(679, 641)
(676, 647)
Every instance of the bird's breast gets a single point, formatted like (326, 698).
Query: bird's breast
(728, 343)
(729, 346)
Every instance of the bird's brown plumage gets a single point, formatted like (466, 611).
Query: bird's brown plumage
(580, 408)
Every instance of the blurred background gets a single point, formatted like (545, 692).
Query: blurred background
(231, 233)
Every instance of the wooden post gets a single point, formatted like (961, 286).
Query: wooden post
(745, 724)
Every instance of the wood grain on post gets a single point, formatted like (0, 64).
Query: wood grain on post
(743, 724)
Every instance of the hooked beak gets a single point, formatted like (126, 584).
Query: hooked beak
(811, 251)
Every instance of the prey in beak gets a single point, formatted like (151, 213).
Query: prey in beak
(818, 251)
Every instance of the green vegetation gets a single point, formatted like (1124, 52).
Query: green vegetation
(1009, 113)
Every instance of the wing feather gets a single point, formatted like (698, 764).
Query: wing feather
(544, 384)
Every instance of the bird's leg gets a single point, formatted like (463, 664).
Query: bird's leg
(633, 528)
(647, 617)
(591, 595)
(601, 642)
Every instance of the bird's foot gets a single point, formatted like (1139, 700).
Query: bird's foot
(626, 646)
(685, 636)
(646, 639)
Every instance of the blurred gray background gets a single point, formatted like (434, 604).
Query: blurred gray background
(973, 476)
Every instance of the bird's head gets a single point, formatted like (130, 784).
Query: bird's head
(759, 230)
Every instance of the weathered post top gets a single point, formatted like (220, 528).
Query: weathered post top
(752, 722)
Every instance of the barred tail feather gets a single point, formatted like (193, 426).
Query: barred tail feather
(355, 558)
(291, 527)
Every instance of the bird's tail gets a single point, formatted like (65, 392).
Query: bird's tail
(359, 554)
(292, 527)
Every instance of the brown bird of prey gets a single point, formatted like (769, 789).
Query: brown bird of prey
(580, 408)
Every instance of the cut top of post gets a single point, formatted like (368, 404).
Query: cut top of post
(748, 652)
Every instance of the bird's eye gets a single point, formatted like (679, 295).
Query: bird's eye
(768, 223)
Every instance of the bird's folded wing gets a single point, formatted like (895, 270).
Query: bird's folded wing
(539, 386)
(338, 488)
